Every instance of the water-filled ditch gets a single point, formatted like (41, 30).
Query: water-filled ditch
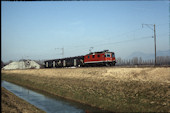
(46, 102)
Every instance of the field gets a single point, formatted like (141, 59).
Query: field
(10, 103)
(110, 88)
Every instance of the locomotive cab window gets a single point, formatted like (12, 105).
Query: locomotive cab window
(88, 56)
(98, 55)
(93, 56)
(107, 55)
(113, 55)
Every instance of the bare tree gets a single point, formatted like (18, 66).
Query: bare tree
(2, 64)
(119, 61)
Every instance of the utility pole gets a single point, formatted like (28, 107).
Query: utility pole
(62, 49)
(153, 25)
(22, 62)
(155, 42)
(63, 52)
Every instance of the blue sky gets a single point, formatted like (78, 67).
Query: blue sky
(34, 29)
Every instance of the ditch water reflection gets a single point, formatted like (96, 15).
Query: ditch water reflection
(48, 103)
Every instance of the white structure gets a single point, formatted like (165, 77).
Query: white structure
(24, 64)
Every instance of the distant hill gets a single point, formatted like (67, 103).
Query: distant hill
(146, 56)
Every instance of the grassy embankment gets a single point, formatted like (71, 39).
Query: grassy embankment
(113, 89)
(10, 103)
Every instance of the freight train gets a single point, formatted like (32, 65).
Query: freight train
(101, 58)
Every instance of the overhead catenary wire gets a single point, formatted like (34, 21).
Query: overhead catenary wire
(77, 46)
(123, 41)
(85, 48)
(110, 38)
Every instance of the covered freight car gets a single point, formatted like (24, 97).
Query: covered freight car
(65, 62)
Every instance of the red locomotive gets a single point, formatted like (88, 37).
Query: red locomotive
(102, 58)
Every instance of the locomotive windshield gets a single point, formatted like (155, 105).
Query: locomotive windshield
(107, 55)
(113, 55)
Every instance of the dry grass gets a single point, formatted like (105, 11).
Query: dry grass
(141, 74)
(114, 89)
